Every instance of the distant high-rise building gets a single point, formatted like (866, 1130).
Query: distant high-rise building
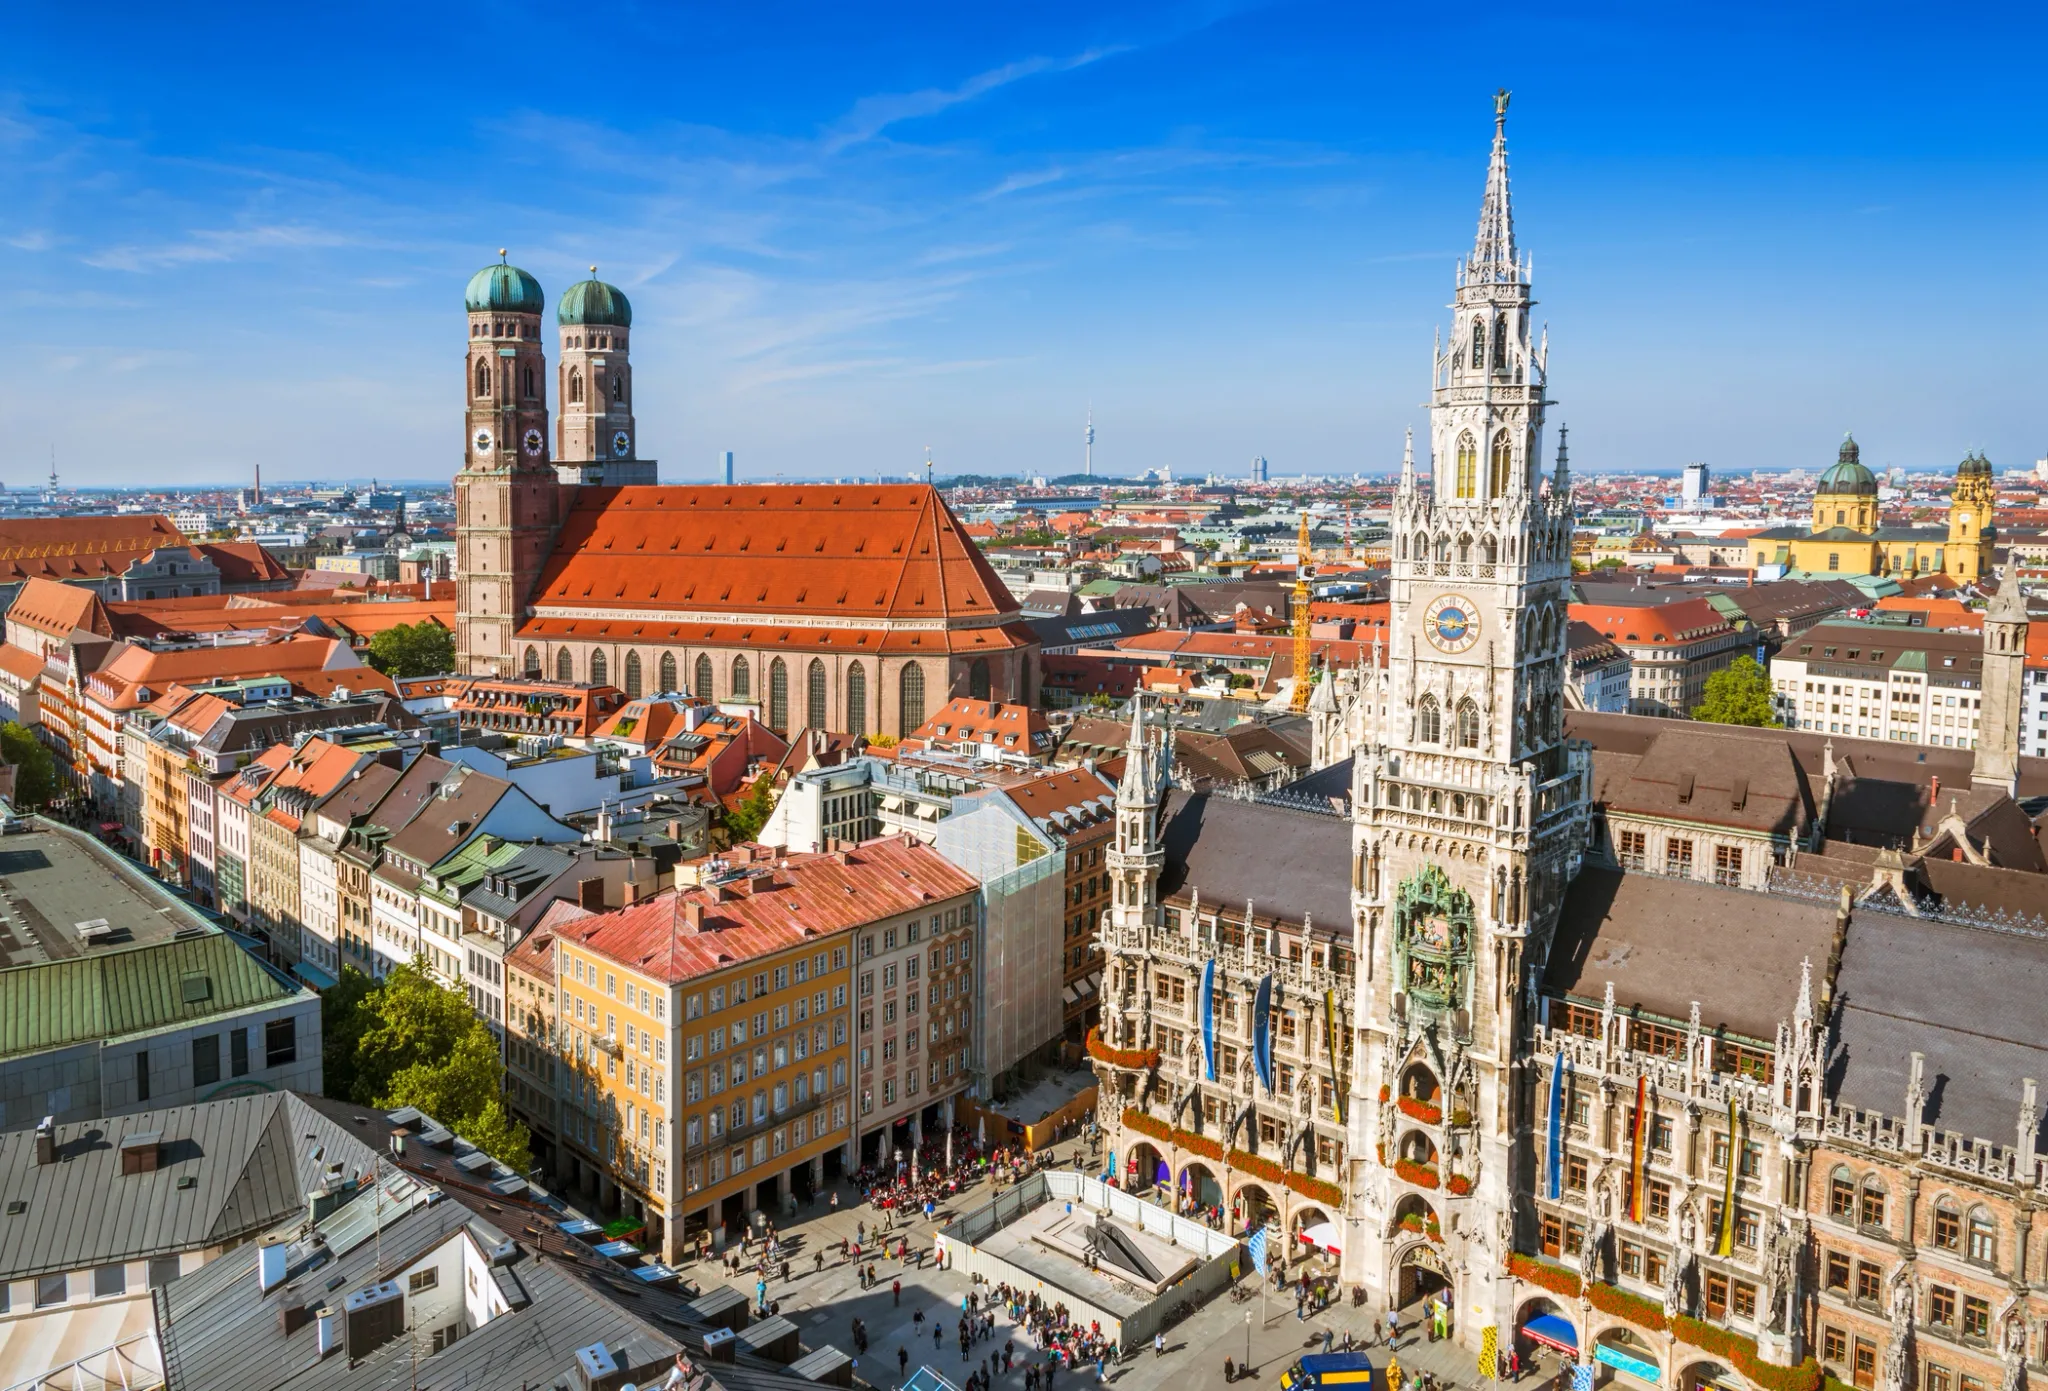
(1259, 469)
(725, 467)
(1694, 486)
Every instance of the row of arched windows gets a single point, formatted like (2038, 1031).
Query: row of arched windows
(575, 390)
(1429, 723)
(1500, 471)
(1544, 544)
(1499, 336)
(594, 340)
(497, 330)
(528, 383)
(740, 686)
(1861, 1202)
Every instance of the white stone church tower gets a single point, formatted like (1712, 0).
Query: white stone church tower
(1470, 809)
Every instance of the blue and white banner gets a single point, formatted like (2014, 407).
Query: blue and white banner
(1582, 1377)
(1262, 1032)
(1257, 1247)
(1209, 1020)
(1555, 1158)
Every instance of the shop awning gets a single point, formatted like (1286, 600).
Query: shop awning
(1553, 1331)
(313, 975)
(1323, 1236)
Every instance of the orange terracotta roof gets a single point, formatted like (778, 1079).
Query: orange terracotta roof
(80, 548)
(60, 609)
(878, 551)
(1660, 625)
(964, 720)
(685, 933)
(244, 562)
(23, 666)
(1228, 647)
(1072, 799)
(303, 661)
(367, 620)
(853, 641)
(257, 774)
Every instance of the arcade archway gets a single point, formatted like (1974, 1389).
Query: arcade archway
(1420, 1272)
(1709, 1376)
(1198, 1185)
(1253, 1207)
(1630, 1355)
(1144, 1167)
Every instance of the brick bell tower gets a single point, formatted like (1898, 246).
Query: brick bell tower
(506, 496)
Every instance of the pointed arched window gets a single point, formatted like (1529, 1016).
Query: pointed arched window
(778, 696)
(910, 699)
(1500, 343)
(1468, 725)
(599, 669)
(814, 695)
(483, 378)
(702, 678)
(618, 389)
(668, 672)
(857, 699)
(576, 386)
(633, 675)
(1468, 467)
(1503, 465)
(742, 679)
(532, 664)
(1478, 341)
(565, 666)
(1429, 724)
(977, 679)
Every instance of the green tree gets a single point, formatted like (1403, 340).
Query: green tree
(35, 771)
(745, 821)
(413, 649)
(1739, 693)
(408, 1040)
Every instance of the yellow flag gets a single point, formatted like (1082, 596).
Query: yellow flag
(1489, 1353)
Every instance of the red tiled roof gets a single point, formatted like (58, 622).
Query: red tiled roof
(802, 898)
(877, 551)
(306, 662)
(1655, 625)
(60, 609)
(796, 639)
(80, 548)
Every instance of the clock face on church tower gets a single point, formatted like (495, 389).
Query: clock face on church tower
(621, 442)
(1451, 623)
(532, 443)
(482, 441)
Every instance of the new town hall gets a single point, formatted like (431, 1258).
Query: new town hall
(1706, 1054)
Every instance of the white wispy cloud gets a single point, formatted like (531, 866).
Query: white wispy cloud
(870, 116)
(218, 244)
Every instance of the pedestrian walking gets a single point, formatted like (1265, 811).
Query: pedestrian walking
(1329, 1339)
(902, 1362)
(1159, 1345)
(896, 1292)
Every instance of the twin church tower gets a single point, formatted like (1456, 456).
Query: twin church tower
(509, 496)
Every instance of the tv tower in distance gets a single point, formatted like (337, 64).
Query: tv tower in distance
(1088, 446)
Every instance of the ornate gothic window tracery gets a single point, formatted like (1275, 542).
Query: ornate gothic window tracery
(1428, 721)
(1468, 467)
(1503, 465)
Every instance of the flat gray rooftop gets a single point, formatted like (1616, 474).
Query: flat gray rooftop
(52, 882)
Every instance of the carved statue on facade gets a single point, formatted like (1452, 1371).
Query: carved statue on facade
(1780, 1256)
(2012, 1348)
(1897, 1371)
(1674, 1287)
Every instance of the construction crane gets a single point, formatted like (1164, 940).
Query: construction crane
(1302, 571)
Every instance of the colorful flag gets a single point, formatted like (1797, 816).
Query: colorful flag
(1209, 1022)
(1726, 1245)
(1336, 1058)
(1635, 1162)
(1558, 1072)
(1262, 1031)
(1257, 1247)
(1582, 1377)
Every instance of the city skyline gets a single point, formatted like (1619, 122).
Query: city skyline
(1229, 232)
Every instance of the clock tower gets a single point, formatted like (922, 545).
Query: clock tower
(597, 441)
(506, 496)
(1469, 806)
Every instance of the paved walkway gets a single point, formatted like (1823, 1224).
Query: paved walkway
(824, 1304)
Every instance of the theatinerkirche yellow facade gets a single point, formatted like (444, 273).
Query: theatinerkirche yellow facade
(1848, 538)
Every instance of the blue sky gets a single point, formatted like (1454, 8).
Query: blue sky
(235, 235)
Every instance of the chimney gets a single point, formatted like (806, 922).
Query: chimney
(693, 914)
(271, 1265)
(329, 1336)
(140, 1153)
(590, 894)
(46, 1141)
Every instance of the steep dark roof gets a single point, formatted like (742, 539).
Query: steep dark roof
(1708, 774)
(1665, 943)
(1288, 864)
(1968, 998)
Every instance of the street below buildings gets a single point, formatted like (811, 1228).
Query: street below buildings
(824, 1305)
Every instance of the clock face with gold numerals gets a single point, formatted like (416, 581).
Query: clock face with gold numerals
(482, 441)
(1451, 623)
(533, 443)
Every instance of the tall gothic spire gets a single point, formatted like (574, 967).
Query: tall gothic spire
(1493, 252)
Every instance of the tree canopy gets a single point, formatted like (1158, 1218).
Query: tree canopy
(745, 821)
(35, 771)
(1739, 693)
(413, 649)
(408, 1040)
